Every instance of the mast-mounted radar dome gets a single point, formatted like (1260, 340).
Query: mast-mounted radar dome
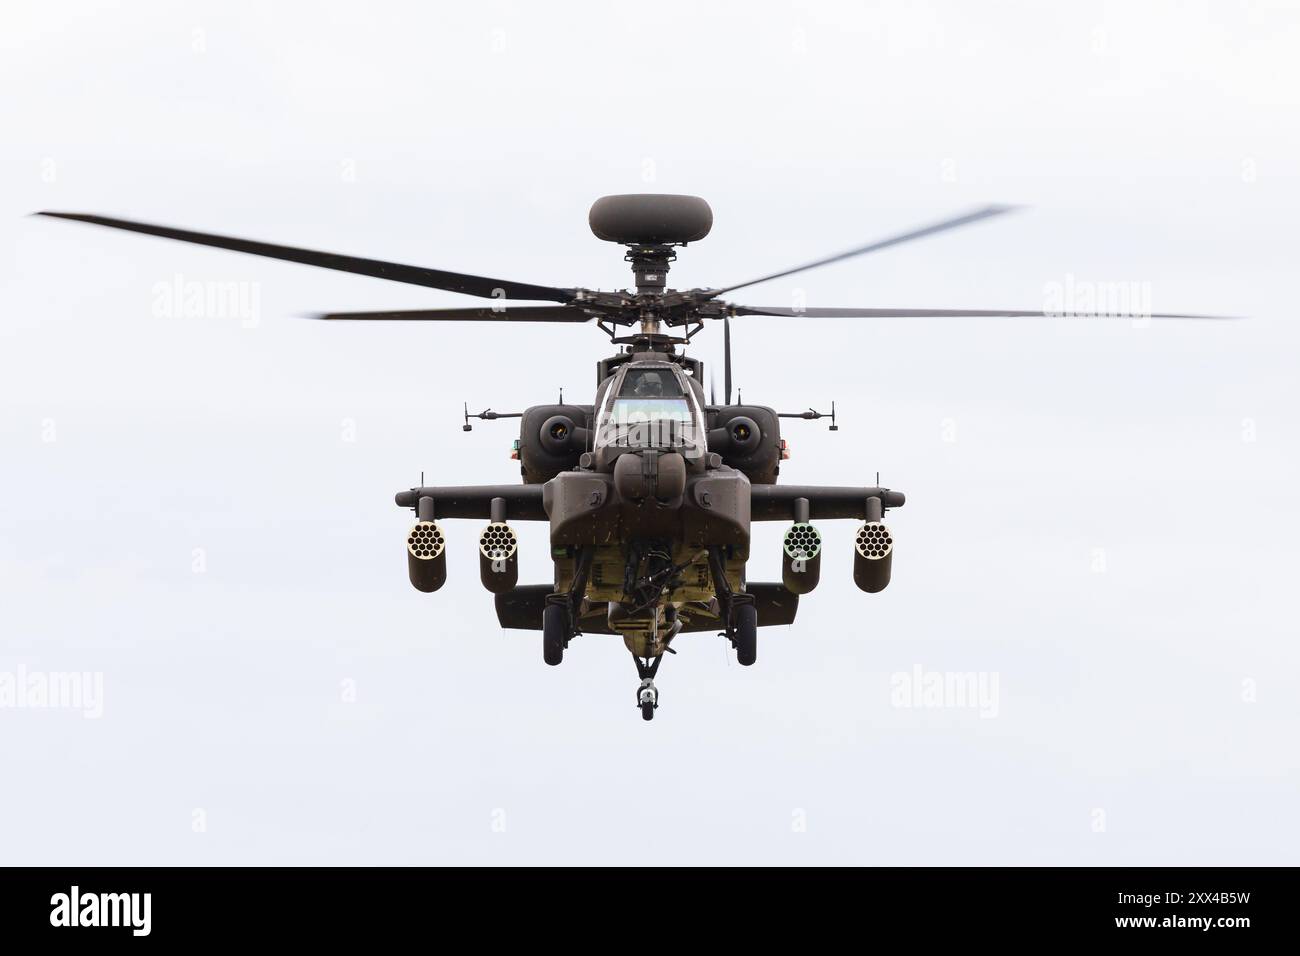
(650, 218)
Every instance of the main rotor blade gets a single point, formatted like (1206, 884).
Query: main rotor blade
(957, 313)
(518, 313)
(975, 216)
(415, 275)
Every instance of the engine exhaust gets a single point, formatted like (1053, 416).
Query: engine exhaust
(498, 557)
(426, 557)
(873, 557)
(801, 558)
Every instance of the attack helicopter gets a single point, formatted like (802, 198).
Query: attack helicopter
(650, 491)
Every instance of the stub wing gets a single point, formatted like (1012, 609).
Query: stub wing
(767, 502)
(776, 502)
(522, 502)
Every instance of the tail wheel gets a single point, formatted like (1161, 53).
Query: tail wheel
(555, 631)
(648, 710)
(746, 634)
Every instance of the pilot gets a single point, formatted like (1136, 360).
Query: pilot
(649, 385)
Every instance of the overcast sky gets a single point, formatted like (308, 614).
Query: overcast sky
(1101, 519)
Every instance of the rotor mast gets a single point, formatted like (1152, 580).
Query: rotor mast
(650, 227)
(650, 264)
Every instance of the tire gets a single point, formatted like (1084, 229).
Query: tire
(555, 631)
(648, 711)
(746, 634)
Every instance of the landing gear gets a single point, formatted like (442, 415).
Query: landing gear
(746, 635)
(555, 633)
(561, 612)
(740, 614)
(647, 698)
(647, 695)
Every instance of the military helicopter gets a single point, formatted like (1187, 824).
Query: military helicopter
(650, 491)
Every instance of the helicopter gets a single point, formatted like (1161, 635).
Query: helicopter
(651, 490)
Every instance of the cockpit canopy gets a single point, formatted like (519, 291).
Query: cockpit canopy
(650, 383)
(651, 406)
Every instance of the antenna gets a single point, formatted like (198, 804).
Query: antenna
(726, 358)
(487, 415)
(813, 415)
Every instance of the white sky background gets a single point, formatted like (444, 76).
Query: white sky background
(1156, 143)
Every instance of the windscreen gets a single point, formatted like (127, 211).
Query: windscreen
(651, 410)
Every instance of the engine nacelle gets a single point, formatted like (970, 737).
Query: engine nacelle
(873, 557)
(551, 439)
(801, 558)
(748, 437)
(426, 556)
(498, 557)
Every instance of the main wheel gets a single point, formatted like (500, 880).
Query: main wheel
(648, 710)
(746, 634)
(555, 631)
